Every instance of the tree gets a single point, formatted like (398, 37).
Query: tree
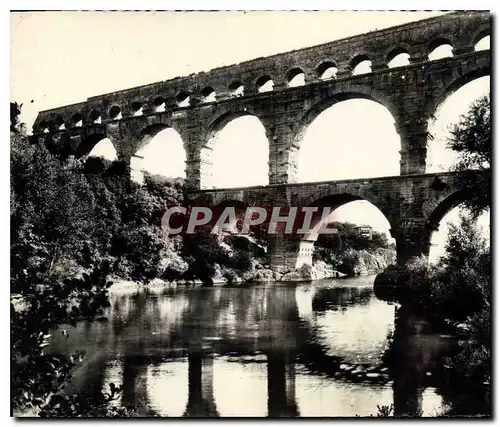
(471, 139)
(348, 237)
(53, 217)
(15, 111)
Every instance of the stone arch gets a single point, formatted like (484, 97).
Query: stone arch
(262, 81)
(436, 42)
(358, 59)
(146, 137)
(136, 108)
(345, 195)
(221, 121)
(438, 212)
(452, 99)
(236, 89)
(208, 94)
(339, 94)
(158, 104)
(115, 112)
(56, 123)
(483, 44)
(314, 123)
(92, 141)
(481, 32)
(454, 82)
(213, 132)
(76, 120)
(88, 143)
(323, 66)
(183, 99)
(150, 131)
(335, 200)
(293, 75)
(394, 51)
(95, 116)
(43, 126)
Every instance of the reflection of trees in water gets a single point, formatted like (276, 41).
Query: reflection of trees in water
(415, 351)
(462, 383)
(333, 298)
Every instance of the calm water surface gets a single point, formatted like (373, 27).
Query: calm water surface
(315, 349)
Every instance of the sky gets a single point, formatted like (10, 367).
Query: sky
(59, 58)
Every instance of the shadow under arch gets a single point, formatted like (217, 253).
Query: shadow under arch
(317, 225)
(88, 144)
(214, 131)
(327, 198)
(239, 207)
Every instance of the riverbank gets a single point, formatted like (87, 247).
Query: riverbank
(361, 263)
(365, 263)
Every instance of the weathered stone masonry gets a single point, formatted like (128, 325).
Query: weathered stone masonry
(413, 204)
(130, 118)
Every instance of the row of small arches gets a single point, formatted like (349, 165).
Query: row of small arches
(295, 77)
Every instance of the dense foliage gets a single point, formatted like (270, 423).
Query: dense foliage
(343, 249)
(467, 268)
(52, 279)
(348, 237)
(471, 139)
(75, 225)
(456, 293)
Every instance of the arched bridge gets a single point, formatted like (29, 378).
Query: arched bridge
(200, 105)
(414, 205)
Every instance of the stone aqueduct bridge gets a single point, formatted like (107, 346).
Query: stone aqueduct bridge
(413, 202)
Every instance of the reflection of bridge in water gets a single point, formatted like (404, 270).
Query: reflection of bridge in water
(276, 325)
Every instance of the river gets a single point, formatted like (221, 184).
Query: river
(277, 349)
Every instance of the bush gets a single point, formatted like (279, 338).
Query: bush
(348, 237)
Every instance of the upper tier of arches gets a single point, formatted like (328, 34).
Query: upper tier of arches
(356, 55)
